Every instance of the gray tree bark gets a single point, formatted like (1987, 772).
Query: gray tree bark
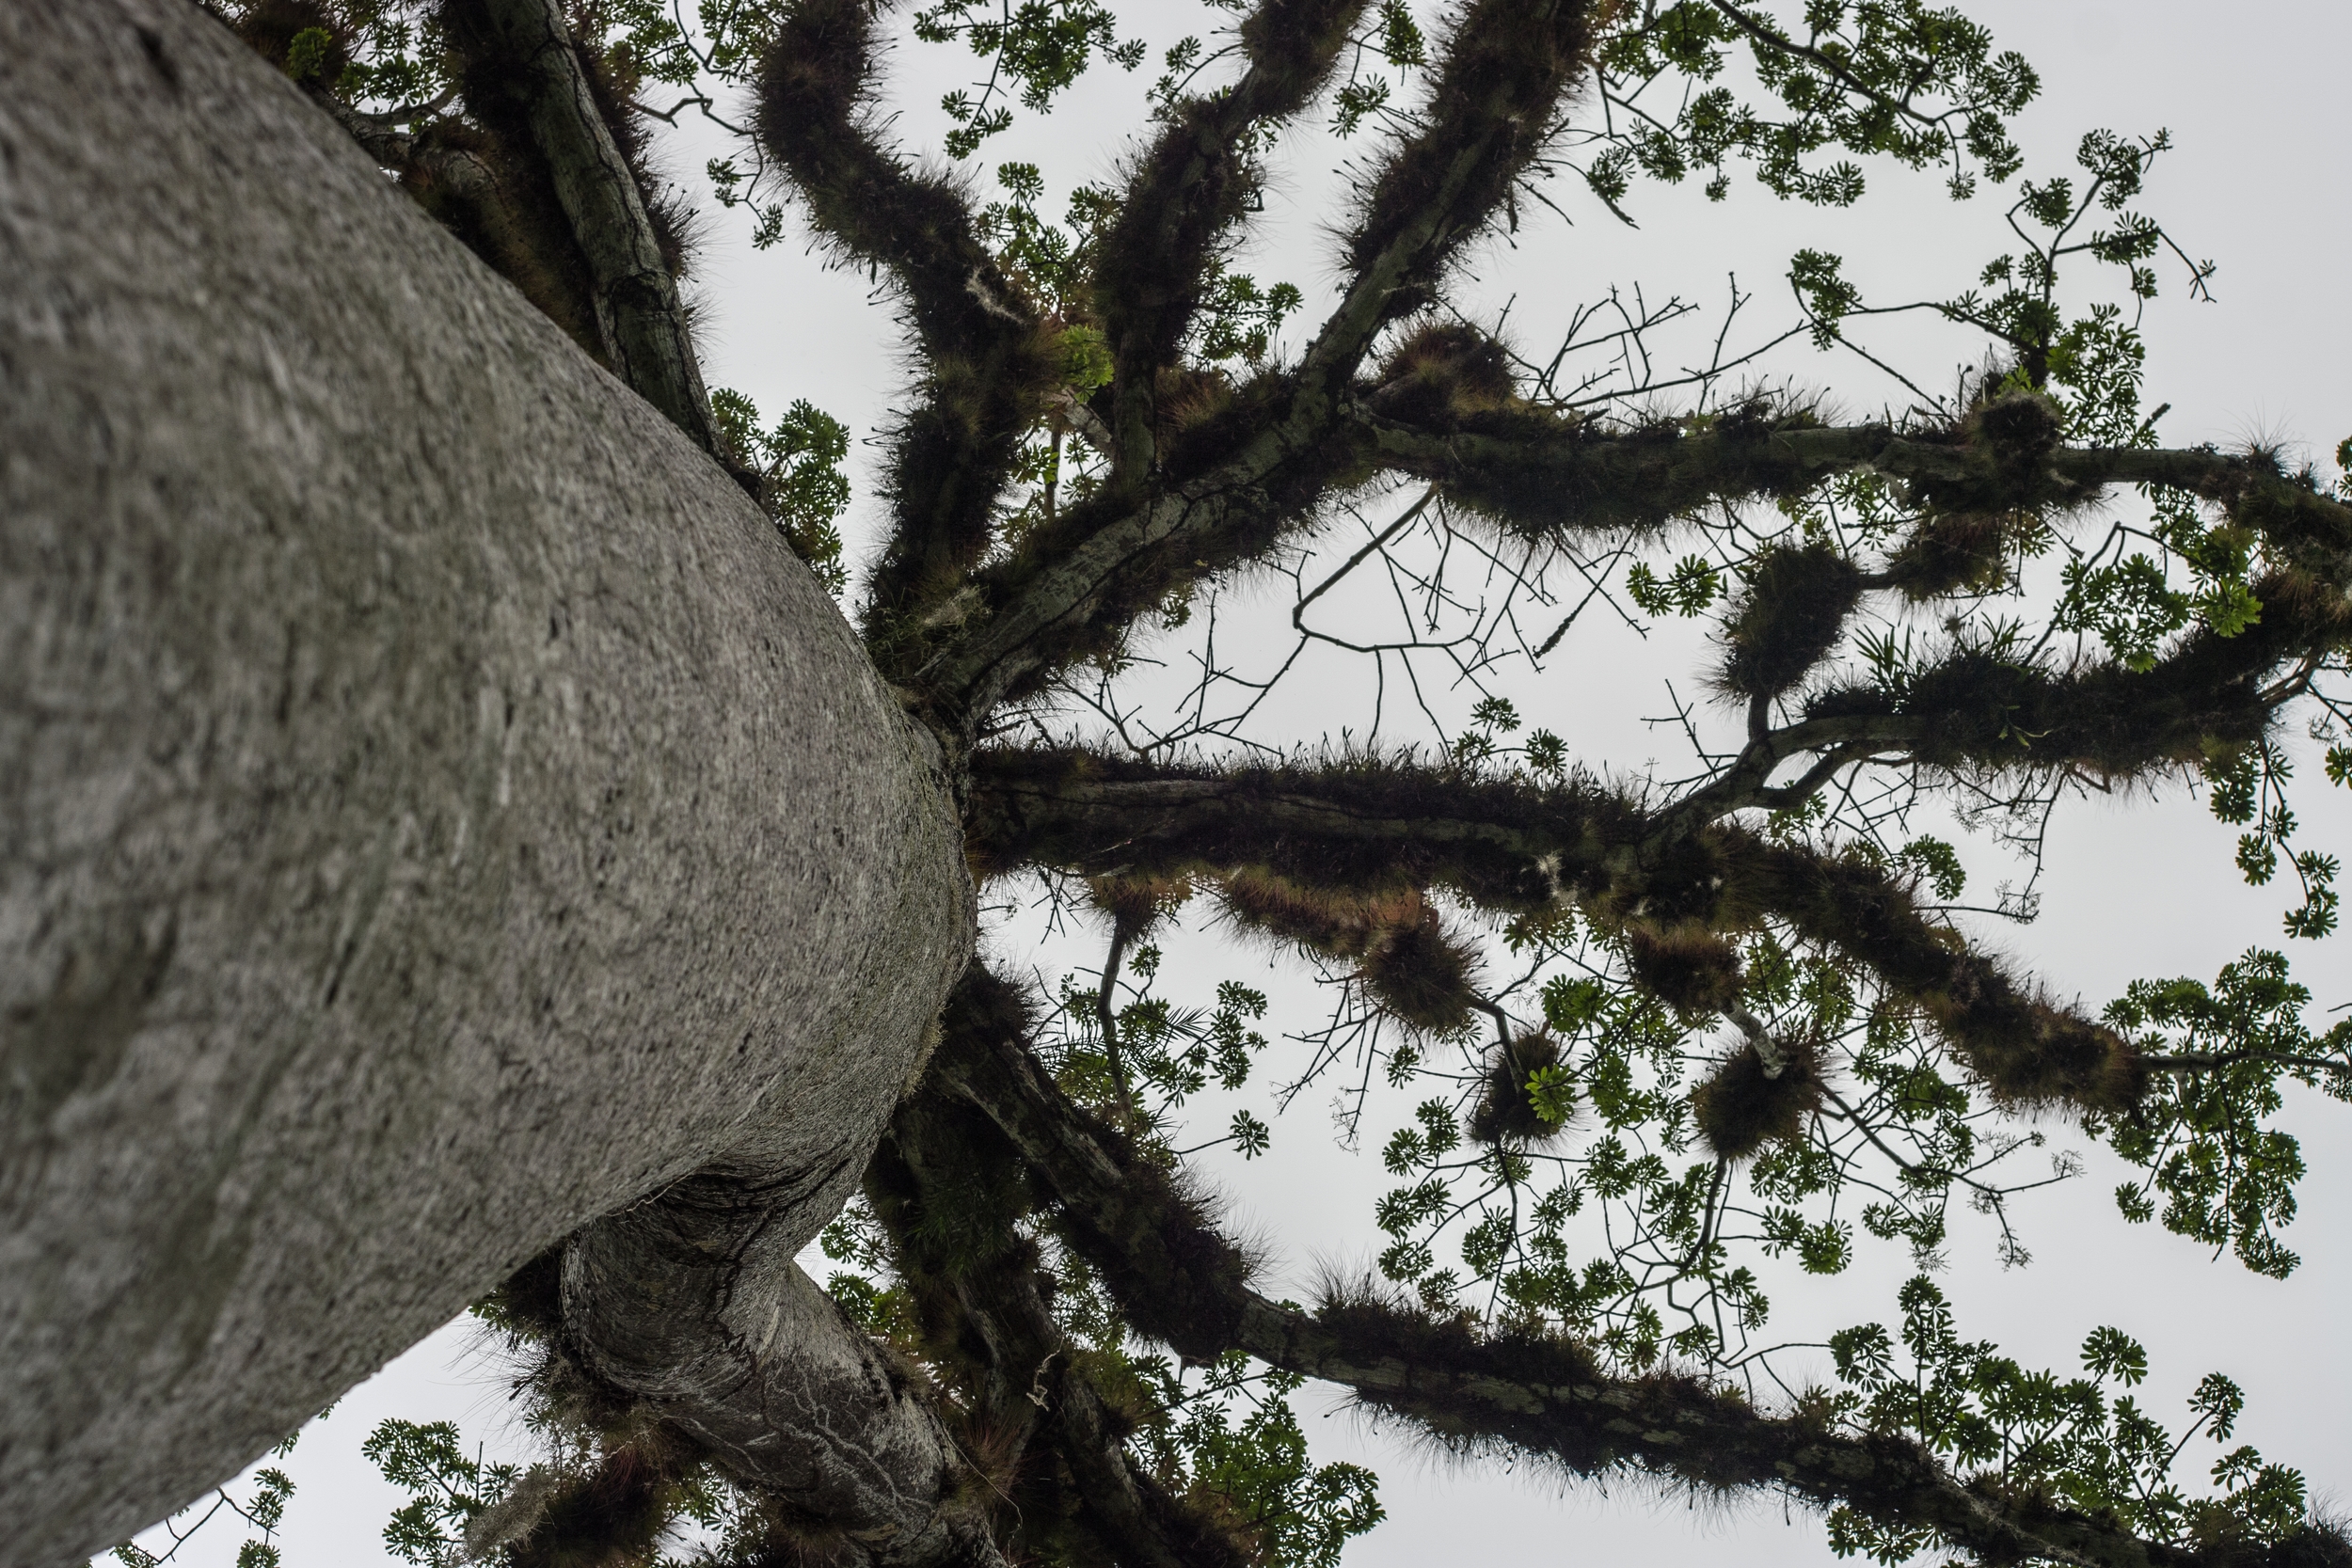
(436, 809)
(692, 1306)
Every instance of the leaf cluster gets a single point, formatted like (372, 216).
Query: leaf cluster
(2077, 1440)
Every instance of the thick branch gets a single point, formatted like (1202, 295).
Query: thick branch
(689, 1306)
(987, 363)
(1188, 192)
(1511, 847)
(2025, 1047)
(1366, 828)
(1977, 712)
(1504, 73)
(1174, 1286)
(1238, 482)
(524, 50)
(1541, 473)
(1973, 710)
(938, 1185)
(1268, 464)
(401, 151)
(1548, 1397)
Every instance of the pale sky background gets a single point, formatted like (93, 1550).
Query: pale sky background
(2254, 97)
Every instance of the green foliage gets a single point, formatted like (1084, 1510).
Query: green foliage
(262, 1509)
(1169, 1053)
(1903, 1136)
(867, 1290)
(1938, 863)
(448, 1489)
(1397, 43)
(2074, 1440)
(306, 52)
(1254, 1476)
(391, 51)
(1890, 78)
(1692, 586)
(2097, 361)
(1819, 282)
(2219, 1055)
(2249, 786)
(1238, 319)
(1051, 260)
(800, 466)
(1034, 50)
(2090, 366)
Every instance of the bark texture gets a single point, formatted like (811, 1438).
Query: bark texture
(692, 1306)
(639, 316)
(436, 809)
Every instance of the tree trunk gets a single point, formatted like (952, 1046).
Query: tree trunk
(435, 810)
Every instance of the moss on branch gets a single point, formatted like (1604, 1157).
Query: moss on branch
(1186, 193)
(1503, 75)
(989, 362)
(1060, 1483)
(1674, 886)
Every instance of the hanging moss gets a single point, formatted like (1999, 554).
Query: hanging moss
(612, 1518)
(2025, 1051)
(1441, 375)
(528, 1303)
(1742, 1106)
(1506, 1113)
(1507, 66)
(1419, 974)
(990, 360)
(1791, 614)
(1154, 1239)
(1686, 966)
(1327, 920)
(2019, 431)
(1949, 551)
(1138, 903)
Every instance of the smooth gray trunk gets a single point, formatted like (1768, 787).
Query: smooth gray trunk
(435, 810)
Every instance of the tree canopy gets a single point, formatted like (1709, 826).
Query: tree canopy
(1659, 1034)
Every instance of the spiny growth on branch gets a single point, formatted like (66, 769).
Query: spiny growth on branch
(989, 362)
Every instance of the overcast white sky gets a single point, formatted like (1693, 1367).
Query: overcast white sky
(2253, 95)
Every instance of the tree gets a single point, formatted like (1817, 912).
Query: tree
(1717, 1015)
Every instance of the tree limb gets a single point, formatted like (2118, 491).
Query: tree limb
(1504, 71)
(691, 1304)
(1370, 826)
(988, 363)
(1186, 193)
(525, 50)
(1238, 482)
(1538, 473)
(977, 1286)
